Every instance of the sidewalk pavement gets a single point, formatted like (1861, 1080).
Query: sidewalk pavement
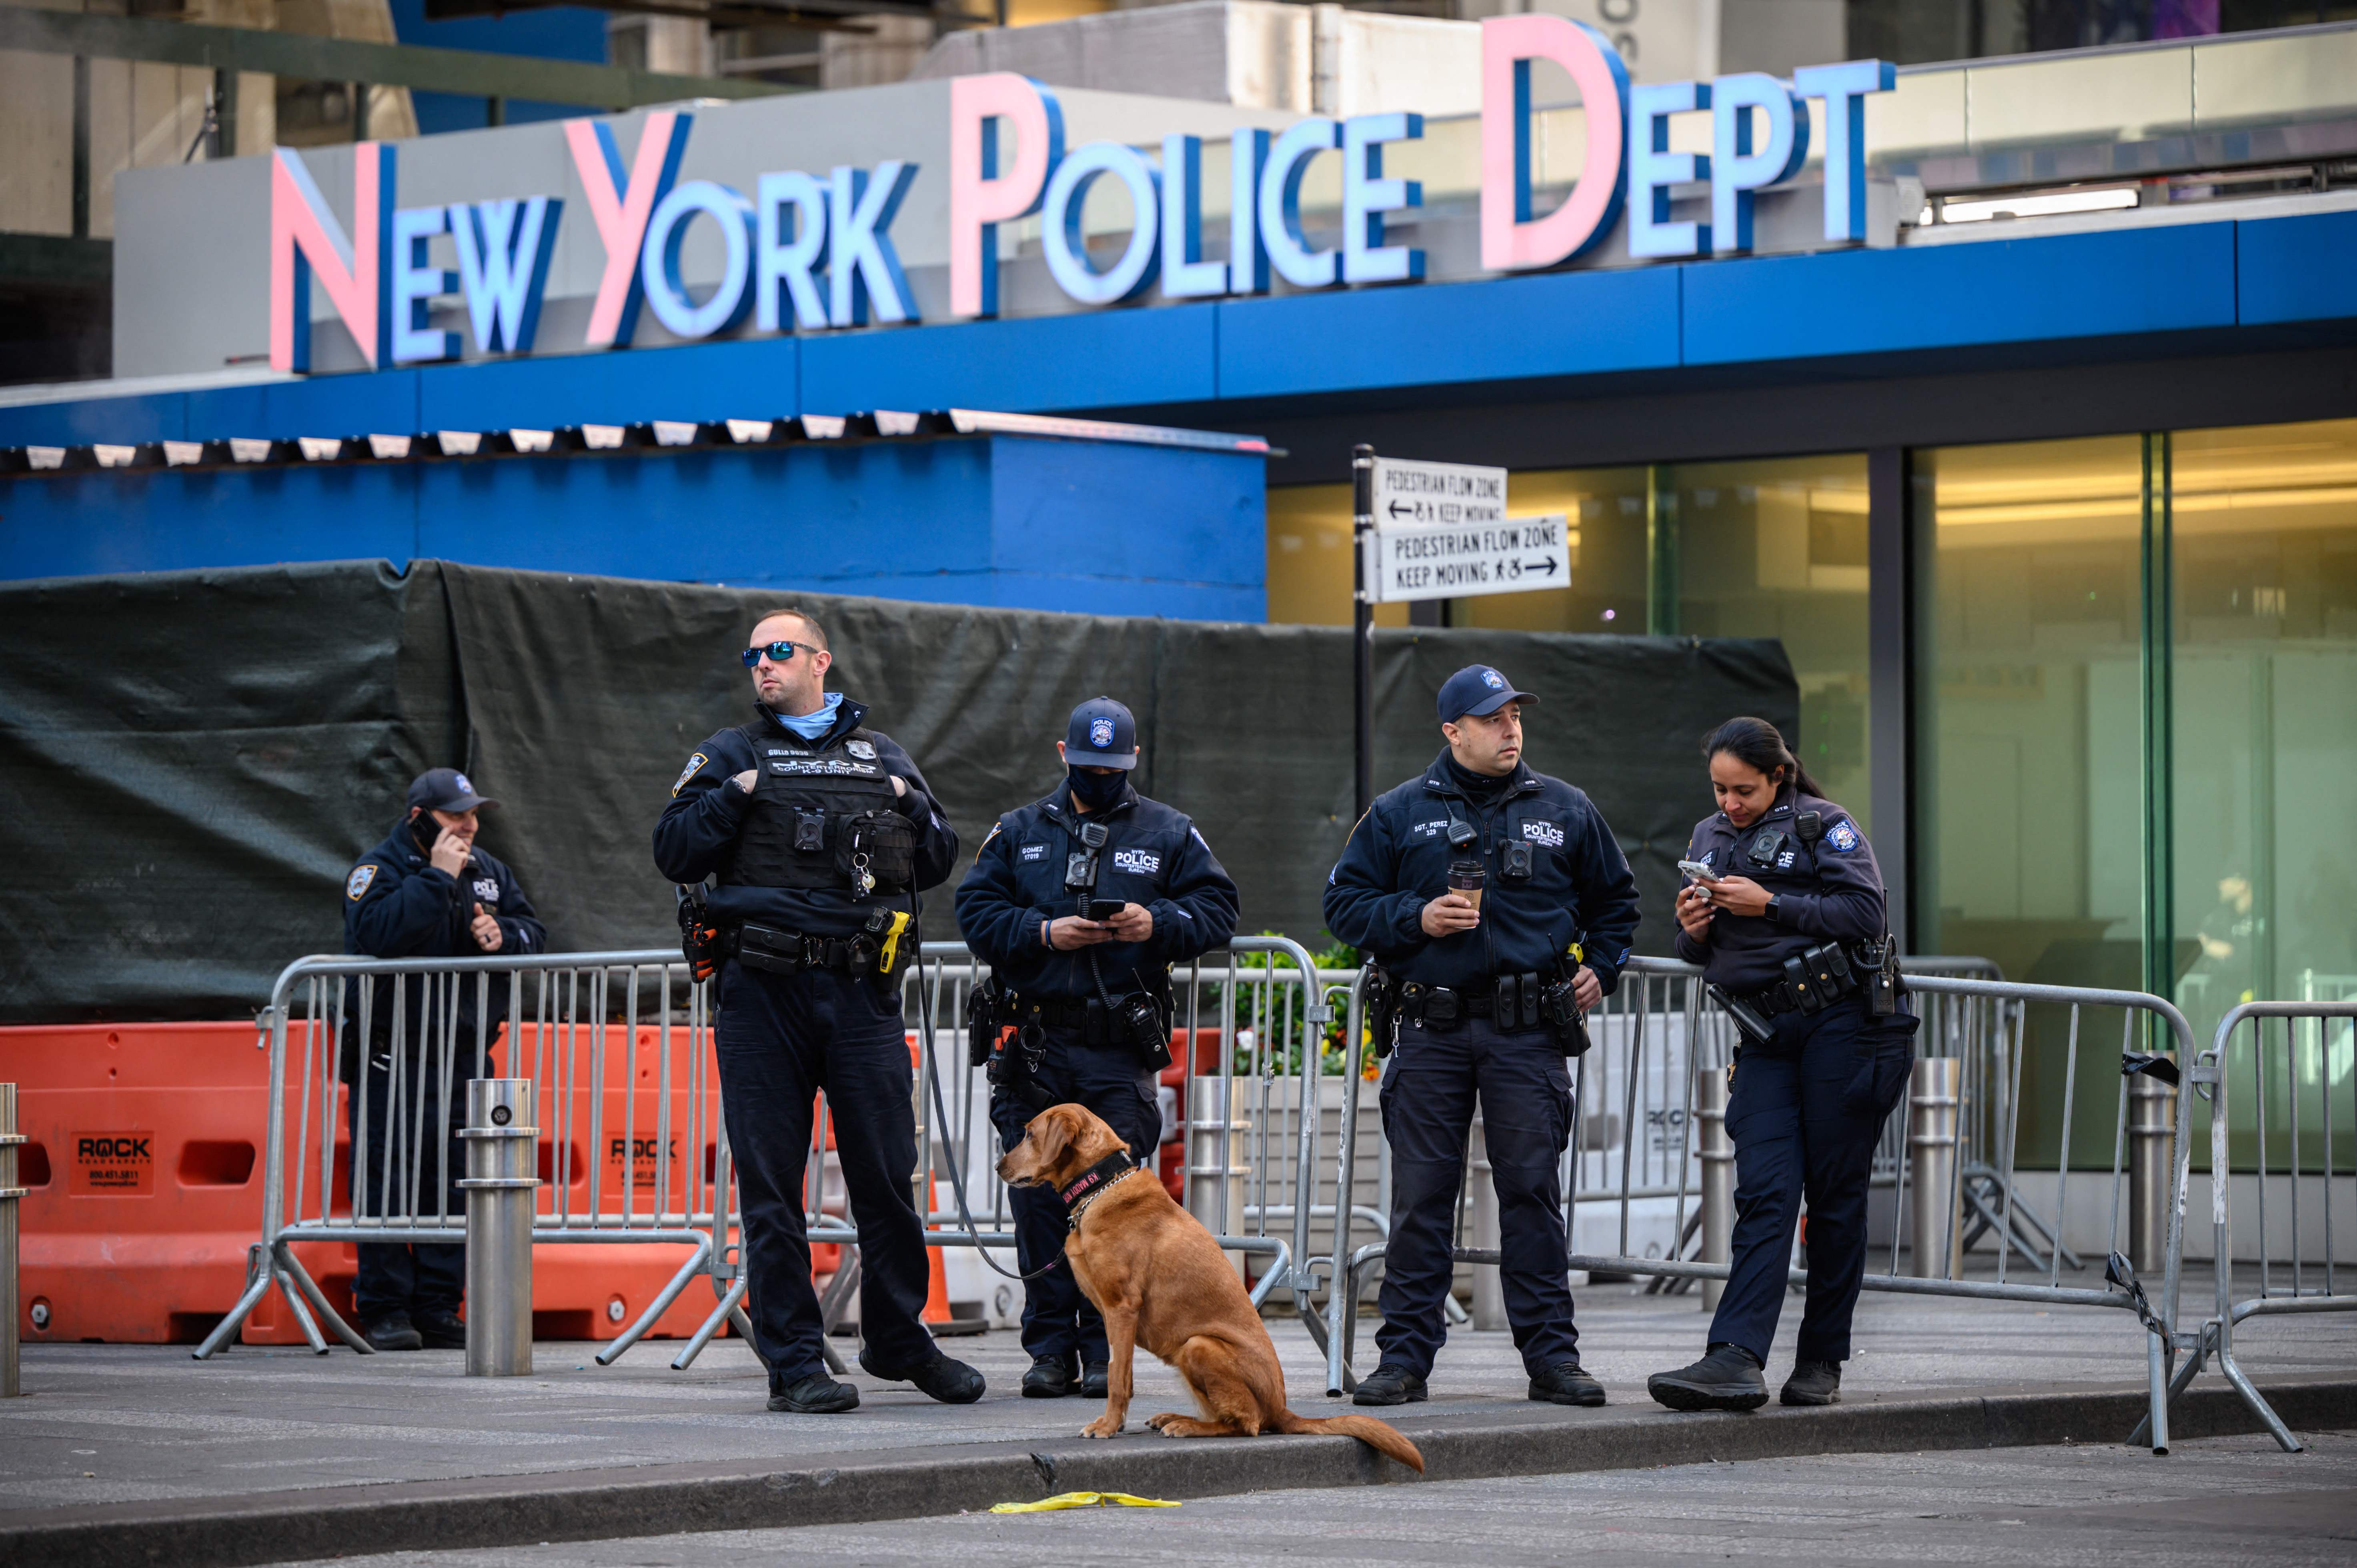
(117, 1442)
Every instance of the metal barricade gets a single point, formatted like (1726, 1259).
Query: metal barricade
(1658, 1031)
(2290, 1080)
(623, 1159)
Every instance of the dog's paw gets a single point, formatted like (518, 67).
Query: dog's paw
(1103, 1426)
(1161, 1423)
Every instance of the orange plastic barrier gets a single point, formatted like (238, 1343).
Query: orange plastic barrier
(143, 1164)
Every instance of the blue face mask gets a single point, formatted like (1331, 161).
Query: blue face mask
(810, 726)
(1095, 791)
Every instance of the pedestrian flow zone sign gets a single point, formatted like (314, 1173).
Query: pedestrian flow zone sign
(1441, 533)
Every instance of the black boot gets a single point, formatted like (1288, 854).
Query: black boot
(394, 1331)
(1051, 1377)
(1565, 1384)
(441, 1328)
(1096, 1381)
(951, 1382)
(1726, 1378)
(817, 1395)
(1390, 1383)
(1813, 1382)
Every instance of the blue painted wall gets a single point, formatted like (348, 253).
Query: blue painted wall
(1098, 527)
(559, 32)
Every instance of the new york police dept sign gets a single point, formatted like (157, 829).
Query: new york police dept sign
(810, 252)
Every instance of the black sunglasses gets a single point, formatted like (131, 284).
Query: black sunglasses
(778, 652)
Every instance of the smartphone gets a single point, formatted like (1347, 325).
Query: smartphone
(1698, 870)
(1104, 910)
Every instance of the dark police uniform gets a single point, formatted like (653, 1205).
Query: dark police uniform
(1154, 856)
(1555, 877)
(398, 905)
(1809, 1104)
(805, 1005)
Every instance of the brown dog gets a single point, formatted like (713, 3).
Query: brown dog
(1161, 1281)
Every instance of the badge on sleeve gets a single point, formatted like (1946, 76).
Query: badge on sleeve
(694, 764)
(357, 882)
(1842, 835)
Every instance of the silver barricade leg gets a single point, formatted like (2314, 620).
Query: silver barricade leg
(2151, 1119)
(11, 1381)
(1488, 1288)
(1938, 1219)
(499, 1185)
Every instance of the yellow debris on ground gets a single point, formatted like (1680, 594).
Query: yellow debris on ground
(1083, 1500)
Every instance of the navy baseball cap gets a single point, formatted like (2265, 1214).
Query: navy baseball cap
(1476, 690)
(1101, 735)
(445, 790)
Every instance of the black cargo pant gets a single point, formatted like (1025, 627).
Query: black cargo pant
(411, 1152)
(1114, 1083)
(1428, 1092)
(782, 1039)
(1807, 1111)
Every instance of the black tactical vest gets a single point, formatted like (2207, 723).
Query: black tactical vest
(821, 817)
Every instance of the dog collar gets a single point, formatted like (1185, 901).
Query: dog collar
(1093, 1183)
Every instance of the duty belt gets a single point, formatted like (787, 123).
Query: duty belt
(1049, 1012)
(1830, 982)
(790, 953)
(1511, 999)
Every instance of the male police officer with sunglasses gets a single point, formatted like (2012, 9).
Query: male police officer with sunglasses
(1470, 887)
(818, 834)
(1080, 903)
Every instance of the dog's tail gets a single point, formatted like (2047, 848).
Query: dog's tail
(1380, 1436)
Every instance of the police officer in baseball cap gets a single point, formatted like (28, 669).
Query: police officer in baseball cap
(1497, 908)
(428, 891)
(1080, 902)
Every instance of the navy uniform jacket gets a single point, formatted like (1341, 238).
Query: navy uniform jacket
(699, 825)
(398, 905)
(1154, 856)
(1832, 889)
(1397, 862)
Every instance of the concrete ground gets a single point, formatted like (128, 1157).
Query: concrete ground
(2213, 1501)
(125, 1425)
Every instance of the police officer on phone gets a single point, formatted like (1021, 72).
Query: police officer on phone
(428, 891)
(1471, 888)
(1783, 910)
(1080, 903)
(819, 834)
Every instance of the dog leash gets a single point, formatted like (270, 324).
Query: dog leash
(957, 1167)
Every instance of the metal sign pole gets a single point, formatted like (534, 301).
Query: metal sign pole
(1363, 626)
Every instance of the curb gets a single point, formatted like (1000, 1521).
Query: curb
(591, 1505)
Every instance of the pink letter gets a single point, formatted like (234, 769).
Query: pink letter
(305, 241)
(1511, 241)
(981, 197)
(621, 206)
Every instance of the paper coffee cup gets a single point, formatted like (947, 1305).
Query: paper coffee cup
(1467, 878)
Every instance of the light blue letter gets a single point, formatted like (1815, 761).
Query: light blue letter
(414, 284)
(1654, 169)
(787, 251)
(863, 269)
(1247, 258)
(1367, 196)
(1742, 161)
(1060, 223)
(1184, 273)
(658, 261)
(1280, 205)
(1844, 88)
(504, 249)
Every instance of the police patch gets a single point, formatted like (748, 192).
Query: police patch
(860, 748)
(1843, 836)
(1547, 834)
(695, 764)
(1145, 863)
(1100, 733)
(1492, 679)
(357, 882)
(486, 889)
(1034, 852)
(1784, 861)
(1426, 829)
(460, 780)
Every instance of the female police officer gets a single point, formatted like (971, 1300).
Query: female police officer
(1789, 926)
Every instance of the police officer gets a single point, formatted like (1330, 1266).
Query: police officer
(425, 892)
(1485, 997)
(1822, 1058)
(819, 834)
(1080, 903)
